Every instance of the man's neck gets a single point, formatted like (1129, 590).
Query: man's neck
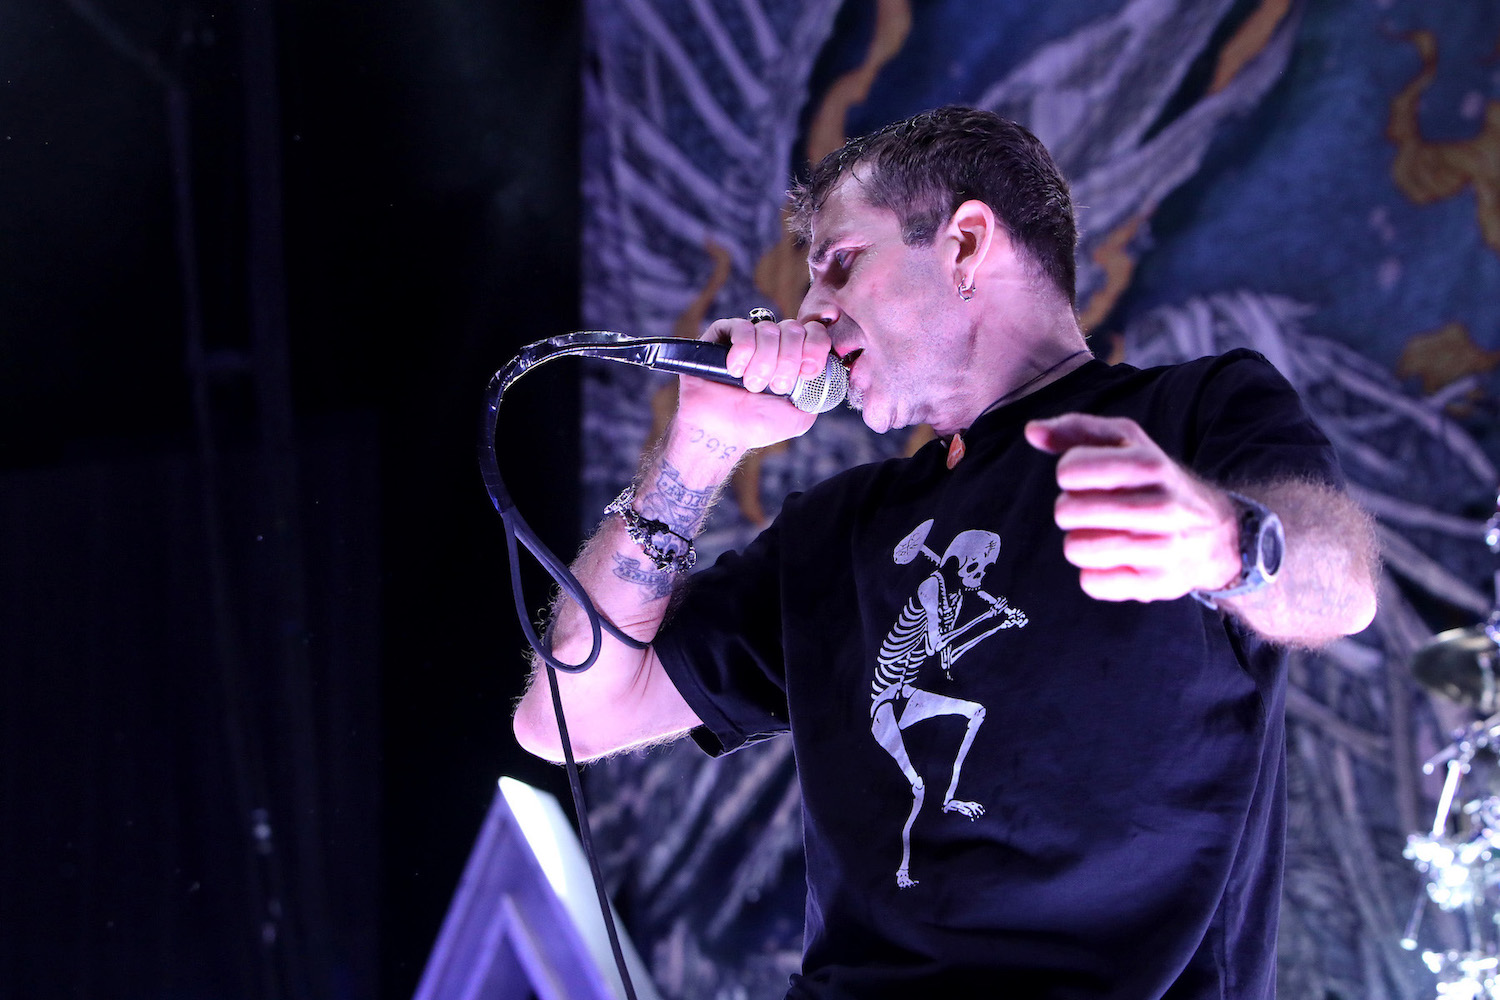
(1028, 353)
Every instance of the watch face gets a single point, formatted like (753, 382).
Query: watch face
(1272, 546)
(1262, 546)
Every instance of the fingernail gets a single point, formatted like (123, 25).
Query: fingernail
(783, 385)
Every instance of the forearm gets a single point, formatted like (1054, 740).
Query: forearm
(625, 699)
(1142, 527)
(1326, 587)
(678, 487)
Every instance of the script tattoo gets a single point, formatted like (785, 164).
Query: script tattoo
(670, 500)
(657, 582)
(701, 437)
(682, 509)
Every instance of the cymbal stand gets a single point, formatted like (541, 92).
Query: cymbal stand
(1492, 541)
(1460, 854)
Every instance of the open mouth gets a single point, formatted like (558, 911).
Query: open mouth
(849, 359)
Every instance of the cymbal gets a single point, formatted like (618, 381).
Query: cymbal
(1462, 664)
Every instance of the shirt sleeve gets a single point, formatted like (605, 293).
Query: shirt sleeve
(722, 647)
(1251, 427)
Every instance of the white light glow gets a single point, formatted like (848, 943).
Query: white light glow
(531, 812)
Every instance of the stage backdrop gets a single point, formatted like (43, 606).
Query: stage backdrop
(1317, 181)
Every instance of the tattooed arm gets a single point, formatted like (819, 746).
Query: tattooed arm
(626, 699)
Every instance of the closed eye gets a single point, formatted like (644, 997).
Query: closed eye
(834, 265)
(840, 262)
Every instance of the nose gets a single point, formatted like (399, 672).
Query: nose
(818, 306)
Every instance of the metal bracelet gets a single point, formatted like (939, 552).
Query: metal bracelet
(645, 530)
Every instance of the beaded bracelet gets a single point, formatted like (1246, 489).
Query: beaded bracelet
(642, 530)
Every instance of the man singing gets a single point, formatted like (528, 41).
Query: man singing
(1033, 675)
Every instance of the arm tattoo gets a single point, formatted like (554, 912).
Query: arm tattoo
(657, 582)
(670, 500)
(683, 510)
(699, 436)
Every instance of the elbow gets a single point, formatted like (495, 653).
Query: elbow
(1346, 621)
(1316, 628)
(535, 729)
(1363, 613)
(1356, 611)
(606, 710)
(1362, 600)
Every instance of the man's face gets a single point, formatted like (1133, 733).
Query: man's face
(888, 308)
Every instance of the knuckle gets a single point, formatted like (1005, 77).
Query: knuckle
(740, 331)
(1153, 459)
(1062, 507)
(738, 358)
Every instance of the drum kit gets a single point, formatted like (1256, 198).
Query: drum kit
(1459, 857)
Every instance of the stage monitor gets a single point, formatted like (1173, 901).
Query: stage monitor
(525, 922)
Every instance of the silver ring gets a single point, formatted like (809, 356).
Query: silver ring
(760, 314)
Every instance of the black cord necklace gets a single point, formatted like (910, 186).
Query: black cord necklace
(956, 448)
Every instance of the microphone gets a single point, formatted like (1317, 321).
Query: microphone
(818, 394)
(815, 394)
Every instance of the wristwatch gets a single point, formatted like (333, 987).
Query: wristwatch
(1262, 546)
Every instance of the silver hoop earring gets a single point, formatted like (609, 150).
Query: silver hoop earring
(966, 292)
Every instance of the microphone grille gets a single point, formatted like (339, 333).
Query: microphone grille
(823, 391)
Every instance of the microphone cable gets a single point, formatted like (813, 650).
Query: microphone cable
(816, 395)
(582, 344)
(585, 343)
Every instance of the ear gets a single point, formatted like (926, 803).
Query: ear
(976, 234)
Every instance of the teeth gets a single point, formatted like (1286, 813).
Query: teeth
(851, 357)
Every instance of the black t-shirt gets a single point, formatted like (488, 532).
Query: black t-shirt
(1007, 785)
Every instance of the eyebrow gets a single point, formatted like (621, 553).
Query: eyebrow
(817, 256)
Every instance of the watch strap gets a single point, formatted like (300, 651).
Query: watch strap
(1257, 524)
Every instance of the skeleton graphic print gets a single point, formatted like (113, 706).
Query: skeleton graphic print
(932, 624)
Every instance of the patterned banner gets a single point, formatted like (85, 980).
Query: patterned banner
(1318, 181)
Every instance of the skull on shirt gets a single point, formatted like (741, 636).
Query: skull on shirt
(976, 551)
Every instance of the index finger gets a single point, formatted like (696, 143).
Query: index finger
(1111, 467)
(1057, 434)
(816, 346)
(789, 347)
(736, 334)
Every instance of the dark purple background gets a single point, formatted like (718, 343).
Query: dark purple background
(384, 206)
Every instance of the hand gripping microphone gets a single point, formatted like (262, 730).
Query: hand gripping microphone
(818, 394)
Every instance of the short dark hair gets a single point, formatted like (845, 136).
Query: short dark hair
(923, 168)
